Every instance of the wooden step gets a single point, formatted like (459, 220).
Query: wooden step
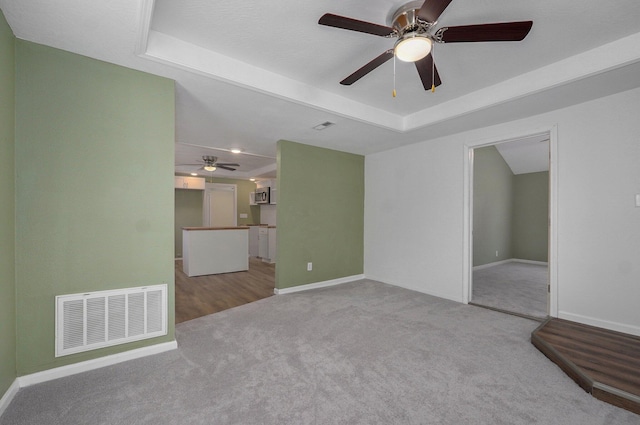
(604, 363)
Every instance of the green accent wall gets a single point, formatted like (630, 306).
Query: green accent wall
(7, 208)
(531, 216)
(510, 212)
(188, 213)
(320, 214)
(492, 206)
(188, 207)
(94, 190)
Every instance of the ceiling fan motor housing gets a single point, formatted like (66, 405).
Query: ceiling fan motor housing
(405, 20)
(209, 160)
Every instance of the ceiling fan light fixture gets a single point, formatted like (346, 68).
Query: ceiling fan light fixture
(412, 47)
(210, 168)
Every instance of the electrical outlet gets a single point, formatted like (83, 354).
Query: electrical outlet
(496, 253)
(309, 267)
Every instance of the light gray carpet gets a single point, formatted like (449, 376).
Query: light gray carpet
(358, 353)
(516, 287)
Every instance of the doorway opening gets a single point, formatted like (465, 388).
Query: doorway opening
(510, 225)
(220, 205)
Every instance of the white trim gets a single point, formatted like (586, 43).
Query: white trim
(495, 263)
(467, 225)
(509, 260)
(72, 369)
(146, 14)
(600, 323)
(553, 221)
(537, 263)
(450, 297)
(317, 285)
(8, 396)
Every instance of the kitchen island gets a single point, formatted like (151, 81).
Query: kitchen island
(213, 250)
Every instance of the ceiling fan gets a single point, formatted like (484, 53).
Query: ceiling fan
(209, 163)
(413, 25)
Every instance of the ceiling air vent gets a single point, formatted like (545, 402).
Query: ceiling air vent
(323, 125)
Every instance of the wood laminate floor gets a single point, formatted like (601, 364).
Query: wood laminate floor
(604, 363)
(201, 295)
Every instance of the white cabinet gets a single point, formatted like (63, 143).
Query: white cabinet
(252, 198)
(263, 243)
(274, 195)
(267, 243)
(272, 244)
(181, 182)
(214, 250)
(253, 241)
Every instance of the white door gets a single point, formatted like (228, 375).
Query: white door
(220, 205)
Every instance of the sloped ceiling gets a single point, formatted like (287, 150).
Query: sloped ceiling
(250, 73)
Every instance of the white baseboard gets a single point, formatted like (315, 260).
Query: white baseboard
(317, 285)
(8, 396)
(450, 297)
(496, 263)
(538, 263)
(600, 323)
(72, 369)
(509, 260)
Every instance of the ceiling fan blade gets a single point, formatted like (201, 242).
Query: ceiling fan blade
(432, 9)
(336, 21)
(425, 66)
(367, 68)
(224, 167)
(228, 164)
(504, 31)
(199, 163)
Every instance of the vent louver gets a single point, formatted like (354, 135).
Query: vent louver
(101, 319)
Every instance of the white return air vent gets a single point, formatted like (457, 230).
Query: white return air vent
(101, 319)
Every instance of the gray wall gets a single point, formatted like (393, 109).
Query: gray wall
(492, 207)
(7, 208)
(510, 212)
(530, 229)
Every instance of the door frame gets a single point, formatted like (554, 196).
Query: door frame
(209, 187)
(467, 258)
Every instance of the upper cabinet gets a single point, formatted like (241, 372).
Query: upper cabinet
(181, 182)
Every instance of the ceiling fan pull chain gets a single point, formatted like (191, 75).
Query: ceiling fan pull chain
(394, 76)
(433, 73)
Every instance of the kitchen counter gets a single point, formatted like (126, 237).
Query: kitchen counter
(214, 250)
(215, 228)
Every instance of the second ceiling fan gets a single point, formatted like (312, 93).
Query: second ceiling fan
(413, 25)
(210, 163)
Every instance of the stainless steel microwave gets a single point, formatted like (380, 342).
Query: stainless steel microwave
(262, 195)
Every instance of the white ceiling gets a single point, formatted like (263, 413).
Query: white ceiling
(250, 73)
(526, 155)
